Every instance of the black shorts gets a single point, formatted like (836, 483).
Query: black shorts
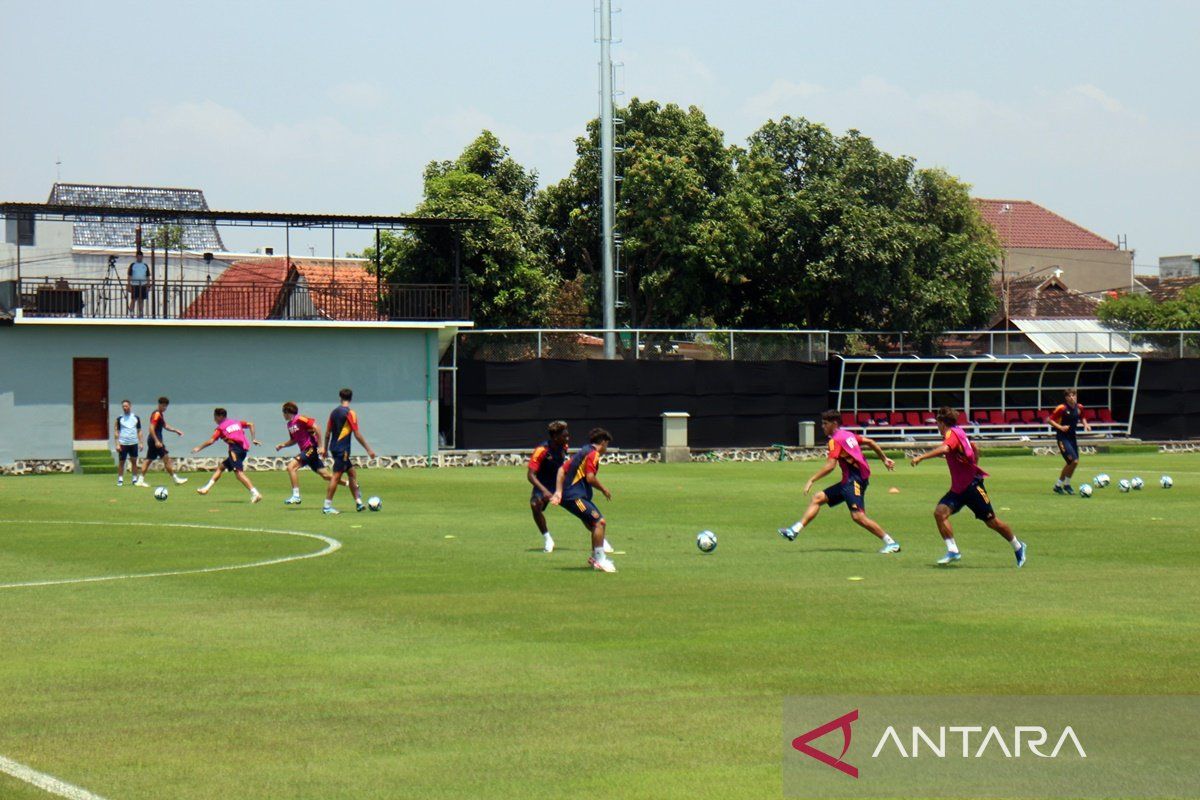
(1069, 449)
(974, 497)
(236, 460)
(852, 492)
(127, 451)
(536, 496)
(341, 461)
(584, 509)
(309, 458)
(139, 291)
(153, 451)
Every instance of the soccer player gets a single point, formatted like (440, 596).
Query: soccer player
(1065, 420)
(966, 488)
(343, 423)
(573, 490)
(548, 458)
(233, 433)
(305, 433)
(845, 450)
(128, 434)
(155, 447)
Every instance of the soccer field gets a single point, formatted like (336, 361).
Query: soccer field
(438, 653)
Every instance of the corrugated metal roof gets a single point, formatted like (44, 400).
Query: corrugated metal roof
(1072, 336)
(95, 232)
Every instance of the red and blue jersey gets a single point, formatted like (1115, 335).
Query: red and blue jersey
(157, 423)
(233, 433)
(963, 460)
(1069, 416)
(576, 471)
(343, 422)
(546, 461)
(303, 431)
(843, 446)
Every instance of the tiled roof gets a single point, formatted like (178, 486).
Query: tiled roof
(94, 233)
(1161, 289)
(1021, 223)
(1045, 299)
(254, 289)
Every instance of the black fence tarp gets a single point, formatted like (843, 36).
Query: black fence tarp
(1168, 399)
(731, 403)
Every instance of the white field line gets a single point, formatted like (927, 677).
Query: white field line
(45, 782)
(331, 546)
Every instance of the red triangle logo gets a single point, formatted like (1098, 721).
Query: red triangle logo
(801, 743)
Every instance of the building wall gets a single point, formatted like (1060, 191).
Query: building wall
(1083, 270)
(52, 247)
(1179, 266)
(249, 370)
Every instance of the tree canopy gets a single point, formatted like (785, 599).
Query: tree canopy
(1141, 312)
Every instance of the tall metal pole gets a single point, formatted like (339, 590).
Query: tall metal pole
(607, 179)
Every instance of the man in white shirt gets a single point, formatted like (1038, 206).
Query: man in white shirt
(128, 433)
(139, 285)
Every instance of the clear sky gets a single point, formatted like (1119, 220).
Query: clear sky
(1089, 108)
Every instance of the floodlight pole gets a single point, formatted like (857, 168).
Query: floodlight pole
(607, 179)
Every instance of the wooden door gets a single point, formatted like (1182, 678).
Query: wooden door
(91, 398)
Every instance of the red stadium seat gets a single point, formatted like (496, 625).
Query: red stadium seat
(1043, 414)
(1105, 415)
(864, 418)
(1012, 415)
(913, 418)
(979, 416)
(1028, 415)
(996, 417)
(1089, 414)
(896, 418)
(847, 418)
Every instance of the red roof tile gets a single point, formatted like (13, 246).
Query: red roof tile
(1161, 289)
(252, 289)
(1021, 223)
(1045, 299)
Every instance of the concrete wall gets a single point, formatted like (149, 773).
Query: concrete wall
(249, 370)
(1178, 266)
(1083, 270)
(52, 247)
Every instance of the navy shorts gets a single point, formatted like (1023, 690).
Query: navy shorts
(536, 496)
(852, 492)
(128, 451)
(341, 461)
(236, 460)
(974, 497)
(584, 509)
(1069, 449)
(153, 451)
(139, 291)
(309, 458)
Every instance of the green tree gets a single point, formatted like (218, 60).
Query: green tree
(1141, 312)
(503, 254)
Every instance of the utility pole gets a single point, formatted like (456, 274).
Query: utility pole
(607, 180)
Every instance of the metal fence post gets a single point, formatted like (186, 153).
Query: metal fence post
(539, 342)
(637, 345)
(1076, 341)
(901, 342)
(1181, 344)
(731, 345)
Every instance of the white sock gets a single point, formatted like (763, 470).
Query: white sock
(295, 492)
(1016, 543)
(546, 535)
(358, 498)
(951, 545)
(887, 539)
(1058, 482)
(253, 492)
(799, 526)
(208, 485)
(598, 553)
(328, 503)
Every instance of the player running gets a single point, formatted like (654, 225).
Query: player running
(233, 433)
(128, 434)
(845, 450)
(305, 433)
(966, 488)
(547, 459)
(155, 447)
(573, 490)
(1065, 420)
(342, 423)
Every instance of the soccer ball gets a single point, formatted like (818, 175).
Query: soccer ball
(1102, 480)
(1085, 491)
(161, 493)
(374, 503)
(1123, 485)
(706, 541)
(1166, 481)
(1137, 483)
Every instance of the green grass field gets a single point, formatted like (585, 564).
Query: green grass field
(412, 664)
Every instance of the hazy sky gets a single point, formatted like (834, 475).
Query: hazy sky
(1089, 108)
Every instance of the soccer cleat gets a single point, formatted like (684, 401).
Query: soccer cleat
(294, 500)
(602, 564)
(549, 546)
(330, 510)
(608, 548)
(1058, 490)
(1067, 489)
(1020, 554)
(202, 490)
(120, 481)
(888, 549)
(255, 497)
(139, 481)
(359, 506)
(788, 534)
(179, 481)
(949, 558)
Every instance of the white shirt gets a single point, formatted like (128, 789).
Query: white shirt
(128, 426)
(139, 273)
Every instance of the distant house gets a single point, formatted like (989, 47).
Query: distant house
(92, 233)
(1179, 266)
(1161, 289)
(1044, 315)
(1037, 241)
(302, 288)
